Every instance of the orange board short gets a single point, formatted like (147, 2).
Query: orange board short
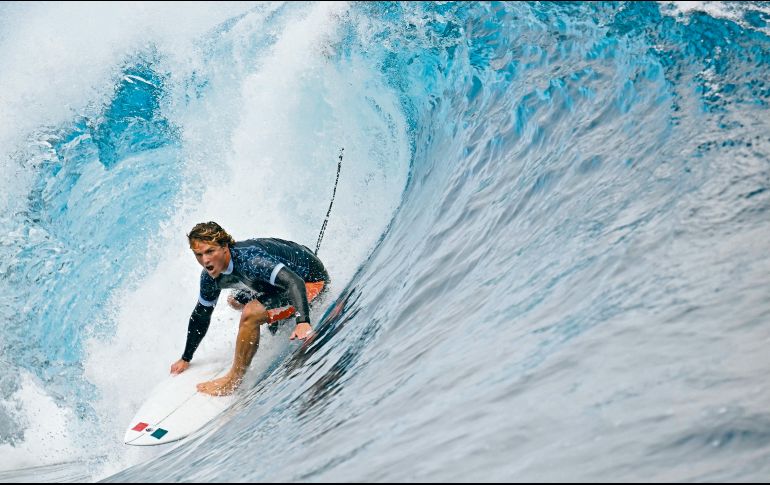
(277, 314)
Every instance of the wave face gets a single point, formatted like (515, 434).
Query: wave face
(549, 246)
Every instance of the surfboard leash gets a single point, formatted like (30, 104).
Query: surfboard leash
(323, 227)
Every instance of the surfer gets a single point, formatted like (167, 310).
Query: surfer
(274, 279)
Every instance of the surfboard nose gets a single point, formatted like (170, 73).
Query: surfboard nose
(174, 408)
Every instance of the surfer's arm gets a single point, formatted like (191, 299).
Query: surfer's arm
(294, 286)
(277, 274)
(196, 329)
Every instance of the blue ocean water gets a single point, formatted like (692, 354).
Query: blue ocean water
(549, 247)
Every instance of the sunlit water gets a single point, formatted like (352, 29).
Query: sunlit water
(548, 249)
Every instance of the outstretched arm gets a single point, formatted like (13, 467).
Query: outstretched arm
(199, 321)
(196, 330)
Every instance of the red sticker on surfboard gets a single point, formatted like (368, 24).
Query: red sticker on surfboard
(139, 427)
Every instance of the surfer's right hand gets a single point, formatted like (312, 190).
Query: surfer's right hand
(179, 366)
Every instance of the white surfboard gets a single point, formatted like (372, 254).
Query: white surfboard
(175, 409)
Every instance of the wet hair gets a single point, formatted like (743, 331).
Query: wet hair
(210, 232)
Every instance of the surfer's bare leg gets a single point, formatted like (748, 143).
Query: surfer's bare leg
(254, 314)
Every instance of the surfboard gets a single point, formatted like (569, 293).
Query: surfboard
(175, 409)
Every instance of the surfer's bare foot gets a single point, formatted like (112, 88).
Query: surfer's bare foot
(224, 386)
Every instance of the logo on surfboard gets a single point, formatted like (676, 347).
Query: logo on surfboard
(157, 433)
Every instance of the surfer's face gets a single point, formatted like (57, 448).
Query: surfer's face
(213, 257)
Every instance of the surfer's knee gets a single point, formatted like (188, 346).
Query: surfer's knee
(254, 313)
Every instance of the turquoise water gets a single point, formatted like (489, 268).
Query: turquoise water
(549, 248)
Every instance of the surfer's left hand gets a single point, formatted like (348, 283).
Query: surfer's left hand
(301, 331)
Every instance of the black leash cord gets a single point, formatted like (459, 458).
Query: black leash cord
(323, 227)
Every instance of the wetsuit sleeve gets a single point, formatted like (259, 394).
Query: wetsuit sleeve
(209, 293)
(201, 315)
(294, 286)
(265, 268)
(197, 328)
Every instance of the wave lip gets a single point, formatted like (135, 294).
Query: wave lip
(548, 243)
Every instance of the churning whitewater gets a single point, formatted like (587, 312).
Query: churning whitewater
(549, 248)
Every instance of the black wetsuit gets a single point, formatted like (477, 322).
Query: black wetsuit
(272, 271)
